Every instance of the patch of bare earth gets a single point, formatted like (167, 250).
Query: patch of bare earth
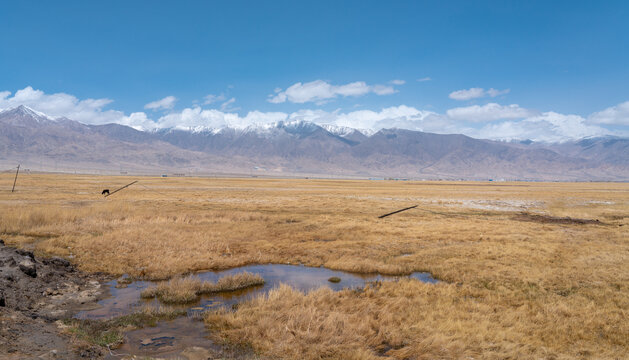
(35, 294)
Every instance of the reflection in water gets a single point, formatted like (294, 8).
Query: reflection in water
(124, 301)
(171, 337)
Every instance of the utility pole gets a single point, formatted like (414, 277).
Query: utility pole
(14, 181)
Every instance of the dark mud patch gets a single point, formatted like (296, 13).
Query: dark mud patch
(110, 333)
(547, 219)
(169, 338)
(182, 338)
(34, 294)
(22, 337)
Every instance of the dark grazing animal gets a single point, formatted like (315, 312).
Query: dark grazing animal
(105, 192)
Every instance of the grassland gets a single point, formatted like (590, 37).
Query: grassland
(515, 284)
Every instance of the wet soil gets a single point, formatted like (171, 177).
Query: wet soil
(547, 219)
(181, 339)
(35, 293)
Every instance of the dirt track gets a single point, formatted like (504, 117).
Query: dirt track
(35, 293)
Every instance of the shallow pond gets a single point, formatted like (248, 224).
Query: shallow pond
(170, 337)
(124, 301)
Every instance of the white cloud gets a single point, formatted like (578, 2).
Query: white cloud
(163, 104)
(138, 121)
(383, 90)
(357, 88)
(474, 93)
(506, 121)
(385, 118)
(402, 117)
(467, 94)
(397, 82)
(615, 115)
(226, 106)
(495, 92)
(546, 127)
(488, 112)
(210, 99)
(427, 78)
(397, 116)
(198, 118)
(320, 91)
(88, 111)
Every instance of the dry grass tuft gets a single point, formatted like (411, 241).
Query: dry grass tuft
(175, 291)
(160, 311)
(184, 290)
(235, 282)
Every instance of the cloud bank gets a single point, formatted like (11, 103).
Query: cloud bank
(615, 115)
(488, 112)
(320, 91)
(164, 104)
(211, 98)
(475, 93)
(489, 121)
(89, 111)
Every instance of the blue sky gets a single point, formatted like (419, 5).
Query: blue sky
(502, 69)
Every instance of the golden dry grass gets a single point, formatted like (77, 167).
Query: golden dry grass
(184, 290)
(514, 286)
(234, 282)
(413, 320)
(175, 291)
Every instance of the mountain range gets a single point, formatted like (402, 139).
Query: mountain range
(299, 148)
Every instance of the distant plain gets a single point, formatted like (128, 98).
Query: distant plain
(526, 269)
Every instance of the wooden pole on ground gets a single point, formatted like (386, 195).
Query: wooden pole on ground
(14, 181)
(126, 186)
(397, 211)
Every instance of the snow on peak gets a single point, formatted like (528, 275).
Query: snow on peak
(292, 127)
(344, 131)
(23, 111)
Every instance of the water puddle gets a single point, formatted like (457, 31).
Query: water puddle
(125, 301)
(170, 338)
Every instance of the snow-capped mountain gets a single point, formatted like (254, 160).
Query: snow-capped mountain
(299, 148)
(24, 116)
(345, 131)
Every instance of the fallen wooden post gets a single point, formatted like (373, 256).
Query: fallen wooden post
(397, 211)
(126, 186)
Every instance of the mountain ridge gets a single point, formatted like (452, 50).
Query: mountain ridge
(301, 147)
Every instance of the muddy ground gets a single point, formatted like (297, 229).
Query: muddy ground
(35, 295)
(38, 294)
(547, 219)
